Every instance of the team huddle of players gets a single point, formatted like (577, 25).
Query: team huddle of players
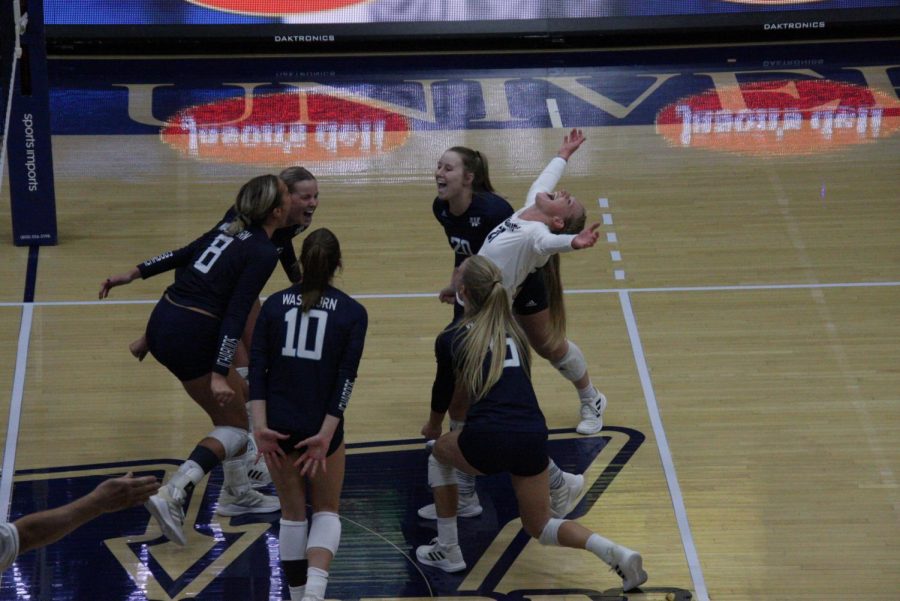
(276, 378)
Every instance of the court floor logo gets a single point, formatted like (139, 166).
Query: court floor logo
(275, 8)
(780, 117)
(299, 127)
(237, 558)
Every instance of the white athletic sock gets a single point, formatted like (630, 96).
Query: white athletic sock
(234, 476)
(316, 581)
(556, 476)
(587, 393)
(189, 474)
(447, 533)
(601, 547)
(297, 592)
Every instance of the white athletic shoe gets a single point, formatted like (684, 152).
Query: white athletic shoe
(564, 499)
(466, 507)
(592, 415)
(629, 566)
(449, 559)
(257, 471)
(250, 501)
(167, 506)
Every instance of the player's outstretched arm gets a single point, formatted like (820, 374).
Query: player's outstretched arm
(44, 527)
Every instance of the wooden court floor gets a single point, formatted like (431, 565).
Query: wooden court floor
(741, 312)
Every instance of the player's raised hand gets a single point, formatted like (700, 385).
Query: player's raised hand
(587, 237)
(571, 143)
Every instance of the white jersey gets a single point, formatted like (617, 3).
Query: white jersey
(520, 246)
(9, 545)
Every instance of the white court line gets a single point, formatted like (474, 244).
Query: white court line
(662, 444)
(553, 110)
(15, 413)
(401, 295)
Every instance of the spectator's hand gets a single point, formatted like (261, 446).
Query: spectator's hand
(123, 492)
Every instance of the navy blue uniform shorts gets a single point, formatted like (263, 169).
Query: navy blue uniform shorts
(531, 298)
(184, 341)
(287, 445)
(519, 453)
(532, 295)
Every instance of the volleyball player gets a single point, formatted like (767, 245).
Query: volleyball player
(486, 354)
(306, 351)
(304, 193)
(548, 224)
(194, 331)
(304, 196)
(468, 208)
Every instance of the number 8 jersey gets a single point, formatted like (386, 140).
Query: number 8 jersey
(222, 275)
(304, 365)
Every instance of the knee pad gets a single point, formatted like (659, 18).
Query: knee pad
(233, 439)
(292, 539)
(439, 474)
(325, 531)
(292, 551)
(550, 533)
(572, 365)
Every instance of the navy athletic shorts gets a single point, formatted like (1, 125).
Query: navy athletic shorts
(519, 453)
(287, 445)
(532, 295)
(184, 341)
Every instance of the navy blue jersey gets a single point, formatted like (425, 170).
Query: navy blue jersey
(466, 232)
(304, 364)
(283, 239)
(222, 275)
(509, 406)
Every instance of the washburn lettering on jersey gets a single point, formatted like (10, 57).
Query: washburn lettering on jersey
(158, 258)
(226, 352)
(295, 300)
(507, 225)
(345, 394)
